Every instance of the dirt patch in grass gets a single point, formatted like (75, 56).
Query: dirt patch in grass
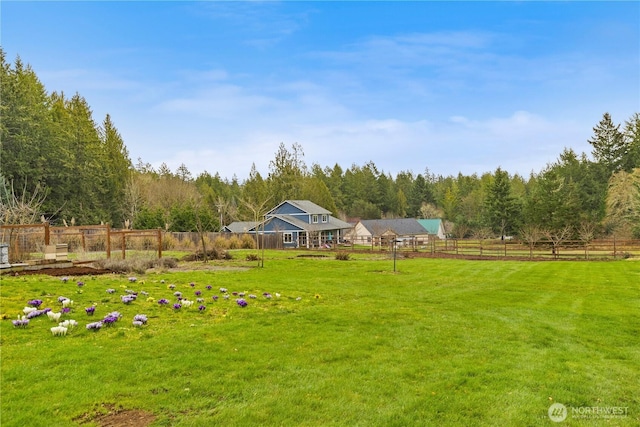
(111, 415)
(126, 418)
(61, 272)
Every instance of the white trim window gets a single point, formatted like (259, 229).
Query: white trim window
(325, 218)
(287, 237)
(314, 219)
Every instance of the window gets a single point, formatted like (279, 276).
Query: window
(287, 237)
(325, 218)
(314, 219)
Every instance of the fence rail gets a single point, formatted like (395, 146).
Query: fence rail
(573, 249)
(31, 241)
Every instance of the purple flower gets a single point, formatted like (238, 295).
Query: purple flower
(90, 310)
(65, 279)
(111, 291)
(137, 323)
(36, 313)
(66, 309)
(192, 284)
(215, 297)
(235, 294)
(202, 308)
(46, 310)
(177, 306)
(198, 293)
(163, 301)
(142, 318)
(60, 299)
(241, 302)
(80, 284)
(127, 299)
(267, 295)
(209, 287)
(109, 320)
(20, 323)
(94, 326)
(35, 303)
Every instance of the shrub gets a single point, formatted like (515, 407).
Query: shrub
(342, 256)
(252, 257)
(235, 242)
(168, 241)
(248, 242)
(221, 242)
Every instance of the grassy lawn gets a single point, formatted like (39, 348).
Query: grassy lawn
(439, 342)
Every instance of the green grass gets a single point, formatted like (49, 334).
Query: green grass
(440, 342)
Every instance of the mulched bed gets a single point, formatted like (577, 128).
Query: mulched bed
(69, 271)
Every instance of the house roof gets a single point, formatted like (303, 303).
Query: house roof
(332, 224)
(431, 225)
(400, 226)
(241, 226)
(304, 205)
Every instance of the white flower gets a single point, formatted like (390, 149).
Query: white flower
(28, 310)
(59, 330)
(67, 302)
(186, 303)
(54, 316)
(69, 324)
(277, 295)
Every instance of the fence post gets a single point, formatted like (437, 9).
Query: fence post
(124, 244)
(47, 236)
(160, 243)
(108, 241)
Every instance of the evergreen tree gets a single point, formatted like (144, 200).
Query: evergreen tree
(503, 210)
(118, 169)
(608, 144)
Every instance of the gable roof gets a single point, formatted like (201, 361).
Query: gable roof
(400, 226)
(305, 206)
(240, 226)
(433, 225)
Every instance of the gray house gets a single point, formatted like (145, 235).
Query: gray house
(299, 224)
(375, 232)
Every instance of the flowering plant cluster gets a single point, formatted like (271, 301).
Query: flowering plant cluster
(32, 308)
(21, 322)
(36, 303)
(139, 320)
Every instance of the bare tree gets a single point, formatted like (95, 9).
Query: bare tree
(23, 208)
(586, 233)
(531, 234)
(556, 237)
(258, 210)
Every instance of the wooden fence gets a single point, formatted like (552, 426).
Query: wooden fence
(32, 241)
(570, 249)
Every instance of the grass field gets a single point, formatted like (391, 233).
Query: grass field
(439, 342)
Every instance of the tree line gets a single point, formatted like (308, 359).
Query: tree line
(53, 151)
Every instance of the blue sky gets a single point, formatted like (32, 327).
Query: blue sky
(449, 86)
